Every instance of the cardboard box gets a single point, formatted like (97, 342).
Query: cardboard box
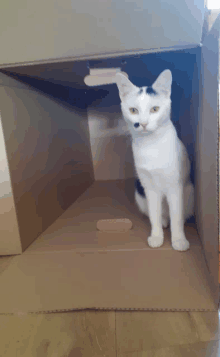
(70, 161)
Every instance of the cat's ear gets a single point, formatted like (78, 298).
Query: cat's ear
(163, 83)
(124, 85)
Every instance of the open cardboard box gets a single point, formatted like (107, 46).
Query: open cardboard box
(68, 163)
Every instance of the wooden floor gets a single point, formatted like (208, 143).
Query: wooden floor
(109, 334)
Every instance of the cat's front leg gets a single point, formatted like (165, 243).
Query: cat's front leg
(154, 198)
(176, 208)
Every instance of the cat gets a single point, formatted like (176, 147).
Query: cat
(164, 191)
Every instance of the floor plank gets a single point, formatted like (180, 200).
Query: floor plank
(143, 331)
(100, 330)
(71, 334)
(207, 325)
(199, 349)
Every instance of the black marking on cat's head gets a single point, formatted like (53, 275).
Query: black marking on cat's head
(139, 188)
(140, 91)
(136, 125)
(151, 91)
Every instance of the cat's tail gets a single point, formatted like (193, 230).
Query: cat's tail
(140, 197)
(140, 202)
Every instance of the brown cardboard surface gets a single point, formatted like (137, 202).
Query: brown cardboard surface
(114, 225)
(72, 266)
(207, 155)
(76, 229)
(9, 233)
(48, 153)
(141, 279)
(109, 135)
(92, 28)
(9, 230)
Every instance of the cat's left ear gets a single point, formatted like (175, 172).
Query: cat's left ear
(163, 83)
(125, 86)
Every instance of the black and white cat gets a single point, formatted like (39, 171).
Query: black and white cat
(164, 191)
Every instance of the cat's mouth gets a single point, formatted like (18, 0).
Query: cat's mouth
(146, 131)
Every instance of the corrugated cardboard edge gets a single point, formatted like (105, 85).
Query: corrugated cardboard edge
(98, 56)
(104, 309)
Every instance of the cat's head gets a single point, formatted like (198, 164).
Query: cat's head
(148, 108)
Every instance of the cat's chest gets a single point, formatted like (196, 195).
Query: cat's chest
(155, 156)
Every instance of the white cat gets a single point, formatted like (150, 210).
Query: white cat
(161, 159)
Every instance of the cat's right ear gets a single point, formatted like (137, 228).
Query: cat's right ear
(124, 85)
(163, 83)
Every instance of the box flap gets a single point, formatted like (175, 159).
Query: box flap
(207, 154)
(145, 280)
(48, 153)
(86, 29)
(9, 233)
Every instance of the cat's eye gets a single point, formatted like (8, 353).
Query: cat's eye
(133, 111)
(154, 109)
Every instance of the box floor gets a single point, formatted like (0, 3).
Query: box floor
(72, 266)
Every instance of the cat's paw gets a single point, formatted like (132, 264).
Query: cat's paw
(155, 241)
(165, 222)
(181, 244)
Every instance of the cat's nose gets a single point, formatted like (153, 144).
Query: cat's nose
(144, 125)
